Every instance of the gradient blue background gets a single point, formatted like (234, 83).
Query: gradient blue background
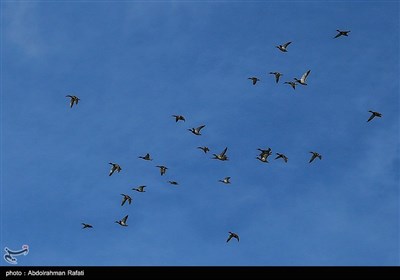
(134, 64)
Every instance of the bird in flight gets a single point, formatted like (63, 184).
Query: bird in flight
(285, 158)
(232, 235)
(341, 33)
(146, 157)
(114, 167)
(163, 169)
(314, 156)
(196, 130)
(222, 156)
(303, 78)
(292, 84)
(204, 149)
(173, 182)
(123, 221)
(254, 79)
(277, 75)
(179, 118)
(139, 189)
(74, 99)
(226, 180)
(373, 115)
(126, 198)
(283, 47)
(86, 226)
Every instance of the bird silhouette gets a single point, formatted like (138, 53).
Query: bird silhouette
(126, 198)
(232, 235)
(139, 189)
(114, 167)
(283, 47)
(74, 99)
(179, 118)
(123, 221)
(314, 156)
(86, 226)
(196, 130)
(341, 33)
(254, 79)
(373, 115)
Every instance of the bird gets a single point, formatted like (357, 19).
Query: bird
(266, 152)
(226, 180)
(285, 158)
(115, 167)
(139, 189)
(222, 156)
(179, 118)
(315, 155)
(293, 84)
(283, 47)
(196, 130)
(263, 158)
(277, 75)
(341, 33)
(86, 226)
(74, 99)
(254, 79)
(204, 149)
(146, 157)
(303, 78)
(374, 114)
(163, 169)
(173, 182)
(123, 221)
(232, 235)
(126, 198)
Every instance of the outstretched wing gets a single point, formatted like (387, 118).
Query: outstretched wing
(286, 44)
(229, 238)
(224, 151)
(305, 75)
(200, 128)
(124, 219)
(312, 158)
(371, 117)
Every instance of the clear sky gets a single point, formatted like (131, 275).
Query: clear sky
(133, 64)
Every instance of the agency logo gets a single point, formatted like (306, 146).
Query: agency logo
(9, 255)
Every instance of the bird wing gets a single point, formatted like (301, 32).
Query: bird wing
(305, 75)
(200, 127)
(124, 219)
(312, 158)
(277, 77)
(371, 117)
(224, 151)
(229, 238)
(337, 35)
(254, 81)
(286, 44)
(124, 200)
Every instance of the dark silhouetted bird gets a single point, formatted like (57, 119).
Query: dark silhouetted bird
(232, 235)
(341, 33)
(146, 157)
(86, 226)
(285, 158)
(126, 198)
(173, 182)
(139, 189)
(123, 221)
(277, 75)
(222, 156)
(74, 99)
(179, 118)
(226, 180)
(283, 47)
(196, 130)
(314, 156)
(163, 169)
(292, 84)
(254, 79)
(114, 167)
(373, 115)
(204, 149)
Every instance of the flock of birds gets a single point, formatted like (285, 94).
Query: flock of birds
(263, 155)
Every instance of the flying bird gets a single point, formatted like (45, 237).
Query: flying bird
(293, 84)
(123, 221)
(341, 33)
(226, 180)
(263, 158)
(222, 156)
(146, 157)
(374, 114)
(196, 130)
(264, 154)
(173, 182)
(126, 198)
(285, 158)
(114, 167)
(163, 169)
(204, 149)
(74, 99)
(232, 235)
(303, 78)
(283, 47)
(86, 226)
(277, 75)
(179, 118)
(139, 189)
(254, 79)
(314, 156)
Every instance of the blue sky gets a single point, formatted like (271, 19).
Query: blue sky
(133, 65)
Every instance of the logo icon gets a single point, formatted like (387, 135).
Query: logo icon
(9, 255)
